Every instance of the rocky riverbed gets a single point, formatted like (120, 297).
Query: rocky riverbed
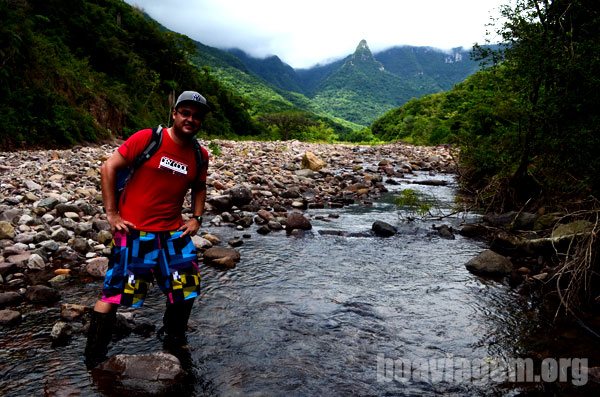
(53, 232)
(53, 229)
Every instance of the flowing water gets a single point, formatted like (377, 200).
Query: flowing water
(313, 315)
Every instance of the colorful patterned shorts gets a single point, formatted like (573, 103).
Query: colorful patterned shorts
(138, 258)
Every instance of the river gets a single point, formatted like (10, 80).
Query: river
(314, 315)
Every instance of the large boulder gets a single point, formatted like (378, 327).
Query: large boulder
(240, 195)
(383, 229)
(489, 263)
(221, 257)
(155, 374)
(41, 294)
(296, 220)
(312, 162)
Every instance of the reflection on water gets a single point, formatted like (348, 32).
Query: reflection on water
(307, 315)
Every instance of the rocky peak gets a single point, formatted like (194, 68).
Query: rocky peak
(363, 53)
(363, 56)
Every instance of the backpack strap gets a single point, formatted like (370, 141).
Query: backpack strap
(151, 147)
(200, 162)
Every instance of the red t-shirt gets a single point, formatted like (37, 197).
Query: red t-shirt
(153, 198)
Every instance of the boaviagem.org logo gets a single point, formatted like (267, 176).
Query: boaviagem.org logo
(482, 371)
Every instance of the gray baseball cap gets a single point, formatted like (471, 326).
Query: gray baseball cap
(193, 97)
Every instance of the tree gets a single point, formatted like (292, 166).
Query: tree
(288, 122)
(551, 50)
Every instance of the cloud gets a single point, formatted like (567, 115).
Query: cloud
(305, 33)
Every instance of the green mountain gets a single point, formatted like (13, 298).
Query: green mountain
(361, 89)
(85, 70)
(363, 86)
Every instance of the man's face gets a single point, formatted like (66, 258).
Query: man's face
(187, 118)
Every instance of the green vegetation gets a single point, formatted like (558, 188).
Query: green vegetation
(527, 126)
(214, 148)
(77, 71)
(413, 202)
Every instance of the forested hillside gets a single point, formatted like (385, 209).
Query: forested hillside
(528, 126)
(81, 70)
(363, 86)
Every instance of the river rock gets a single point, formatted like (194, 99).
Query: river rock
(221, 257)
(312, 162)
(9, 298)
(96, 267)
(6, 268)
(489, 263)
(154, 374)
(72, 311)
(240, 195)
(201, 243)
(473, 230)
(9, 317)
(444, 231)
(566, 229)
(7, 230)
(383, 229)
(297, 220)
(60, 332)
(513, 219)
(41, 294)
(35, 262)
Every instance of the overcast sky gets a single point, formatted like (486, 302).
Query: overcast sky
(304, 33)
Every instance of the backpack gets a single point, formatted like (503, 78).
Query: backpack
(125, 174)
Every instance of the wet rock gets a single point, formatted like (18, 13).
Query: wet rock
(201, 243)
(153, 374)
(473, 230)
(235, 242)
(9, 298)
(60, 333)
(7, 268)
(512, 219)
(383, 229)
(489, 263)
(9, 317)
(41, 294)
(296, 220)
(72, 311)
(445, 231)
(263, 230)
(221, 257)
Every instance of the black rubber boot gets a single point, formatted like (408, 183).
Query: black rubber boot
(98, 338)
(175, 323)
(173, 332)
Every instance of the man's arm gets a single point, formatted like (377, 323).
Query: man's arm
(192, 226)
(108, 178)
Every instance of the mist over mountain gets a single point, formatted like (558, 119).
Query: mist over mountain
(363, 86)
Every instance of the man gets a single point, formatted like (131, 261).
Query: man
(151, 240)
